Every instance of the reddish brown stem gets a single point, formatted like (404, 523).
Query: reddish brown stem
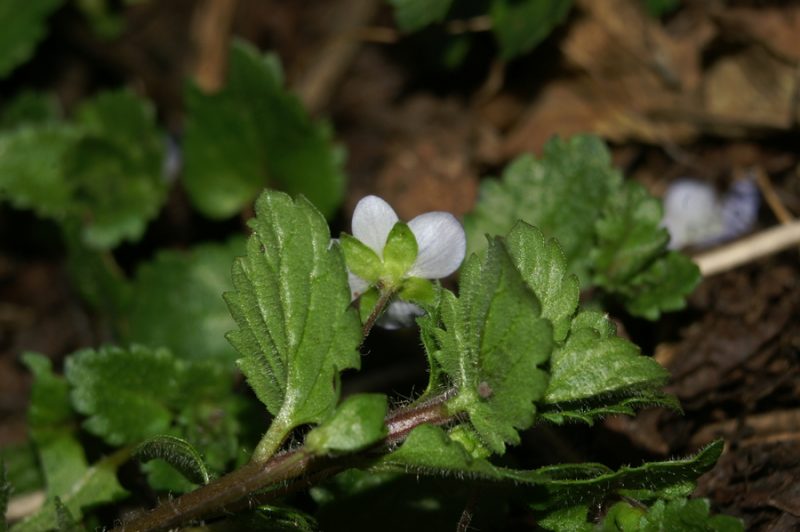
(231, 492)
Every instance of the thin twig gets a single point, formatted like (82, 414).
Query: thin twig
(771, 197)
(211, 27)
(748, 249)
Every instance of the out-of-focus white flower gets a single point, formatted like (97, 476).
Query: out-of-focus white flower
(441, 245)
(695, 215)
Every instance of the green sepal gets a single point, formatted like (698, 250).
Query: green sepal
(367, 302)
(418, 290)
(399, 253)
(360, 258)
(178, 453)
(356, 424)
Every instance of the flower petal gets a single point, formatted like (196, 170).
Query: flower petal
(441, 242)
(357, 285)
(373, 218)
(400, 314)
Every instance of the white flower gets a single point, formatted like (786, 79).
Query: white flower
(441, 245)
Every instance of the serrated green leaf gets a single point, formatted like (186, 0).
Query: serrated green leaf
(413, 15)
(31, 168)
(273, 518)
(609, 231)
(562, 194)
(179, 303)
(116, 168)
(662, 287)
(356, 424)
(493, 342)
(400, 251)
(589, 411)
(23, 23)
(252, 134)
(543, 267)
(519, 25)
(360, 258)
(568, 485)
(571, 519)
(291, 302)
(124, 392)
(629, 235)
(178, 453)
(588, 365)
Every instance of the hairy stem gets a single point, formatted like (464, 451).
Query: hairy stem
(287, 472)
(383, 300)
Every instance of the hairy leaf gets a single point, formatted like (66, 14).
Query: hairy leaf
(543, 267)
(22, 467)
(493, 342)
(356, 424)
(296, 329)
(254, 133)
(413, 15)
(178, 453)
(589, 365)
(662, 287)
(562, 194)
(519, 25)
(179, 303)
(23, 23)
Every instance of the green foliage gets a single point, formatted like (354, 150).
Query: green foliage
(413, 15)
(178, 453)
(356, 424)
(360, 258)
(519, 25)
(492, 345)
(296, 329)
(29, 107)
(678, 514)
(101, 171)
(67, 474)
(179, 303)
(21, 467)
(543, 267)
(608, 230)
(254, 133)
(400, 251)
(23, 23)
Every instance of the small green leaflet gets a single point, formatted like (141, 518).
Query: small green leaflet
(356, 424)
(23, 23)
(519, 25)
(608, 230)
(493, 341)
(178, 453)
(252, 134)
(413, 15)
(291, 302)
(179, 301)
